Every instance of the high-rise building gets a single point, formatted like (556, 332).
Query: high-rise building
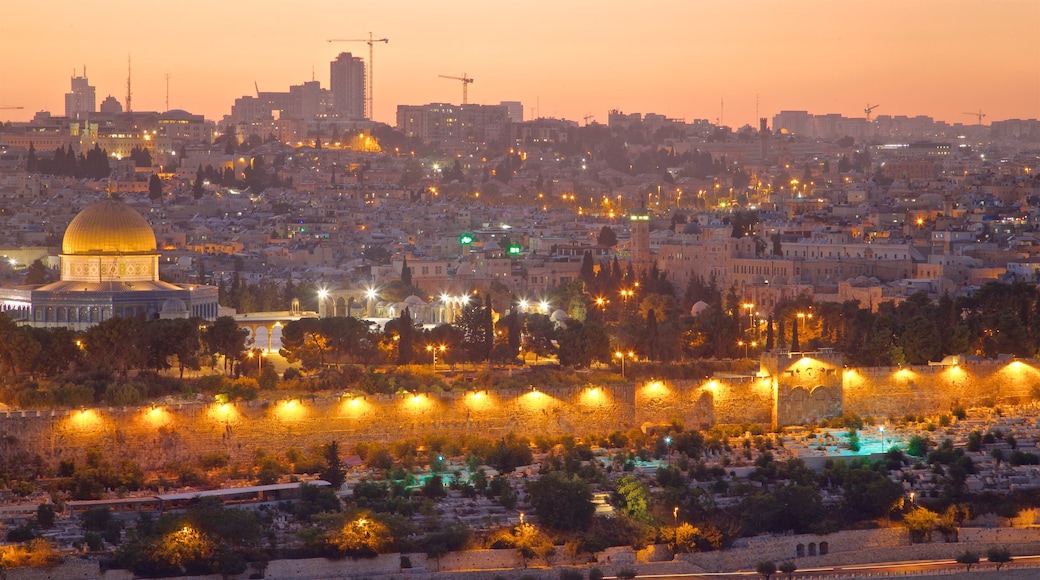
(515, 110)
(82, 100)
(445, 122)
(347, 82)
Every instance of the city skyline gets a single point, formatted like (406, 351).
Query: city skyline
(728, 62)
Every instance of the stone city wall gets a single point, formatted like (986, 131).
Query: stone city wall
(893, 391)
(159, 435)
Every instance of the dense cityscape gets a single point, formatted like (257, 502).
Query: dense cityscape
(482, 341)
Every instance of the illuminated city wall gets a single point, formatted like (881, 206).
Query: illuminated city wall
(159, 435)
(891, 391)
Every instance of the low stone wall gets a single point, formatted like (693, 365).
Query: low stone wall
(316, 568)
(476, 560)
(71, 569)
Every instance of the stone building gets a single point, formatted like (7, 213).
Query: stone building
(807, 386)
(109, 268)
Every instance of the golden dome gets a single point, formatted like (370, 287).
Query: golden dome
(108, 226)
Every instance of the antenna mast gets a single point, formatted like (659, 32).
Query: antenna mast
(167, 92)
(128, 70)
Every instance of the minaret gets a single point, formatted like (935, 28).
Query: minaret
(639, 228)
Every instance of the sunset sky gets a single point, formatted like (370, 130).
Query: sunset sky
(561, 58)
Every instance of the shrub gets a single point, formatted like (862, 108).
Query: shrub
(571, 574)
(627, 573)
(595, 574)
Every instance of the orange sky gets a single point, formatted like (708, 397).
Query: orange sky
(561, 58)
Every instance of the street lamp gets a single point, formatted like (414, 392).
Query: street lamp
(802, 317)
(622, 355)
(746, 345)
(675, 515)
(259, 359)
(750, 314)
(434, 350)
(370, 295)
(323, 295)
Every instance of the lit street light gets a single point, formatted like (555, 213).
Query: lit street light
(259, 359)
(323, 295)
(622, 355)
(746, 344)
(434, 349)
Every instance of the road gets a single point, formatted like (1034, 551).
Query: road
(895, 569)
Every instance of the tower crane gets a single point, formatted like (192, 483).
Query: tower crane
(869, 109)
(589, 117)
(12, 107)
(979, 115)
(370, 41)
(465, 85)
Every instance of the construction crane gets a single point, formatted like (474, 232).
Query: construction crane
(370, 41)
(589, 117)
(12, 107)
(979, 115)
(465, 85)
(869, 109)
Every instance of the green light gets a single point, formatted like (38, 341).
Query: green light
(466, 239)
(514, 249)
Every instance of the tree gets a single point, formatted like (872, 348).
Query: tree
(969, 559)
(45, 515)
(154, 188)
(451, 538)
(562, 501)
(868, 493)
(141, 157)
(474, 322)
(606, 237)
(197, 189)
(582, 344)
(921, 340)
(405, 337)
(333, 471)
(362, 537)
(225, 338)
(633, 497)
(920, 522)
(115, 345)
(588, 268)
(31, 162)
(998, 556)
(766, 569)
(37, 273)
(406, 273)
(530, 542)
(788, 568)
